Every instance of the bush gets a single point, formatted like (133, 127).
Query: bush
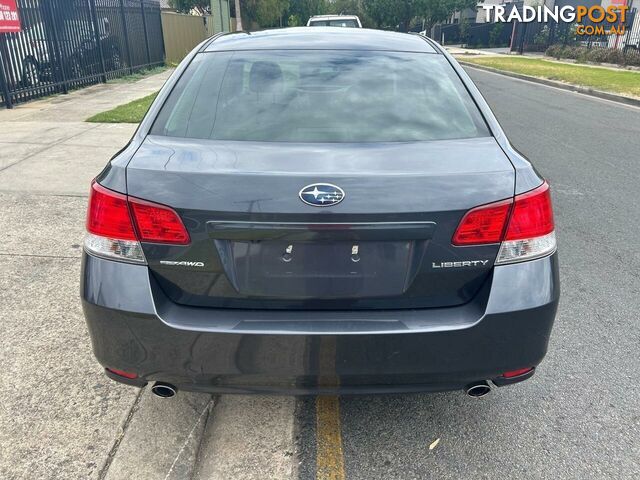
(632, 57)
(595, 54)
(554, 51)
(573, 52)
(581, 55)
(615, 56)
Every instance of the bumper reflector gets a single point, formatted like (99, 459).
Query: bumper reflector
(122, 373)
(517, 373)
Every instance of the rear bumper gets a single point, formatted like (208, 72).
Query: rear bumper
(135, 328)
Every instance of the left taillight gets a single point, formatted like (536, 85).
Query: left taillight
(524, 226)
(530, 233)
(116, 224)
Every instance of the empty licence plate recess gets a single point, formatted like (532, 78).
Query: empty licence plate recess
(320, 270)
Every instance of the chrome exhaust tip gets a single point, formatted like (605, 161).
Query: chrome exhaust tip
(163, 390)
(478, 389)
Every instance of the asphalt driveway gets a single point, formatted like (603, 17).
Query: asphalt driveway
(579, 417)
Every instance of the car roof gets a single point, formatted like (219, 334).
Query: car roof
(332, 17)
(320, 38)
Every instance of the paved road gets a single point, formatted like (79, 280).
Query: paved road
(579, 418)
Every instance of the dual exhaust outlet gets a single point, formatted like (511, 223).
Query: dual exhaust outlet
(476, 389)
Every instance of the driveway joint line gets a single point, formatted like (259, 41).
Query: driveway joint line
(198, 452)
(33, 255)
(45, 194)
(206, 413)
(116, 444)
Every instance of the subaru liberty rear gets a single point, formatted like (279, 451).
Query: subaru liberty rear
(315, 210)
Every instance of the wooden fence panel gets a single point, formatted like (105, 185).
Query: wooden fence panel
(182, 33)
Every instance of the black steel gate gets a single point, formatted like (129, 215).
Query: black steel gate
(67, 44)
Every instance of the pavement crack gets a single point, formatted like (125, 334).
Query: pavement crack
(196, 461)
(120, 436)
(206, 411)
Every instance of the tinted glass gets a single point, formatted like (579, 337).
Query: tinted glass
(320, 96)
(333, 23)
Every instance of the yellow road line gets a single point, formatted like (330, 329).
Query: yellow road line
(329, 457)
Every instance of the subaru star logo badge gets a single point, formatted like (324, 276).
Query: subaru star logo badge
(321, 195)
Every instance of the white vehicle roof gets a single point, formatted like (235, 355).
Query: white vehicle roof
(321, 18)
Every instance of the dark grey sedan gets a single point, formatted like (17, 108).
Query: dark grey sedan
(319, 210)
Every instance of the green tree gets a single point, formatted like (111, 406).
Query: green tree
(495, 34)
(185, 6)
(394, 14)
(464, 31)
(293, 21)
(266, 13)
(303, 9)
(402, 14)
(439, 10)
(386, 14)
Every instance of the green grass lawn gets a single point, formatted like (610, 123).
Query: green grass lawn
(625, 82)
(131, 112)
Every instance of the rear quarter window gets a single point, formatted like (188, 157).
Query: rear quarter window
(320, 96)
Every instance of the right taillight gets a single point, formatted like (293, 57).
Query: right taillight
(524, 227)
(116, 224)
(110, 230)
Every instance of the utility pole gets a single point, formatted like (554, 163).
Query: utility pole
(238, 17)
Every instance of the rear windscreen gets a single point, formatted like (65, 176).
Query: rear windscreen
(333, 23)
(320, 96)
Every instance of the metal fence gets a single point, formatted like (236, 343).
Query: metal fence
(474, 35)
(67, 44)
(538, 36)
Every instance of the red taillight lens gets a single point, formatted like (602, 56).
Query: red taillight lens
(483, 225)
(524, 227)
(532, 215)
(158, 224)
(108, 214)
(115, 216)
